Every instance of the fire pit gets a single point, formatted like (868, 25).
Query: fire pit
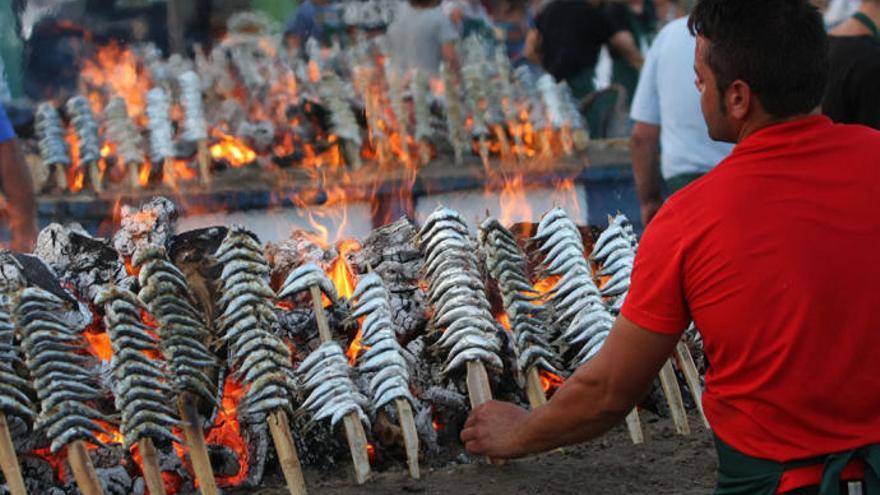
(333, 315)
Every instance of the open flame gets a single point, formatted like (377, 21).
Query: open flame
(226, 431)
(550, 381)
(116, 70)
(232, 150)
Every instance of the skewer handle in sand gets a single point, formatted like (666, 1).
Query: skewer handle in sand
(204, 159)
(287, 455)
(669, 383)
(354, 430)
(685, 363)
(410, 437)
(198, 450)
(9, 461)
(479, 390)
(534, 390)
(152, 471)
(83, 470)
(634, 426)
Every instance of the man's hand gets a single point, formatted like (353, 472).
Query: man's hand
(491, 430)
(649, 209)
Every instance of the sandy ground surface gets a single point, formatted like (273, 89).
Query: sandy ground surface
(665, 464)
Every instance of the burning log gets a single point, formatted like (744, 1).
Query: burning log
(53, 148)
(85, 126)
(183, 338)
(13, 402)
(260, 360)
(123, 133)
(161, 136)
(142, 393)
(63, 385)
(506, 263)
(348, 404)
(384, 361)
(194, 127)
(458, 296)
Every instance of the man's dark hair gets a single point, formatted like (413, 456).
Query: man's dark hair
(778, 47)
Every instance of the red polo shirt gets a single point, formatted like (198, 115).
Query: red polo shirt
(775, 255)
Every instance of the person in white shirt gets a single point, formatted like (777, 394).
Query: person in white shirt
(667, 116)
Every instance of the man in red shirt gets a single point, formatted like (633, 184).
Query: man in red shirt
(773, 255)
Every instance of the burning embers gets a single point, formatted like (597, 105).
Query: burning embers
(341, 346)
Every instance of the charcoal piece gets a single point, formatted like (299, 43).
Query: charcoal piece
(224, 460)
(153, 223)
(317, 444)
(115, 480)
(295, 251)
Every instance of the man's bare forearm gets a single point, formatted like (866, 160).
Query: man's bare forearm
(644, 152)
(19, 191)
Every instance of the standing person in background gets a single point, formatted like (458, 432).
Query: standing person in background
(319, 19)
(566, 40)
(853, 95)
(469, 17)
(637, 17)
(667, 11)
(421, 37)
(666, 111)
(18, 188)
(512, 19)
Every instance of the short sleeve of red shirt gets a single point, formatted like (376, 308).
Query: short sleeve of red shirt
(656, 299)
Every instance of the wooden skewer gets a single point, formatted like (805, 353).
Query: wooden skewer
(152, 472)
(566, 139)
(673, 398)
(60, 176)
(634, 425)
(287, 455)
(410, 437)
(134, 175)
(581, 139)
(479, 390)
(9, 461)
(198, 450)
(504, 144)
(354, 430)
(95, 177)
(546, 144)
(686, 364)
(534, 390)
(484, 152)
(168, 172)
(204, 158)
(354, 154)
(424, 152)
(83, 470)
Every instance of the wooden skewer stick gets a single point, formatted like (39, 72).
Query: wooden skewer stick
(168, 172)
(83, 470)
(152, 472)
(634, 425)
(198, 450)
(479, 390)
(287, 455)
(410, 437)
(59, 174)
(685, 363)
(354, 430)
(673, 397)
(567, 141)
(95, 177)
(424, 152)
(134, 175)
(204, 158)
(484, 152)
(9, 461)
(503, 143)
(354, 154)
(534, 390)
(546, 144)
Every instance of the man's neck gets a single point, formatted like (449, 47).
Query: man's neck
(766, 121)
(853, 27)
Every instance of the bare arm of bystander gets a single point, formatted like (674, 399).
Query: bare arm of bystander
(18, 188)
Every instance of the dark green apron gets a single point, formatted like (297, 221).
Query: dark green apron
(740, 474)
(676, 182)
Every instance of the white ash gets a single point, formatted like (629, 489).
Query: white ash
(154, 223)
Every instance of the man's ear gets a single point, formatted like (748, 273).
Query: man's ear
(739, 99)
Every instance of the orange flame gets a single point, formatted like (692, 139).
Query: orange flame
(550, 381)
(233, 151)
(116, 70)
(514, 202)
(226, 431)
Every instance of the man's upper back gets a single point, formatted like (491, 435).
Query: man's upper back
(666, 96)
(774, 256)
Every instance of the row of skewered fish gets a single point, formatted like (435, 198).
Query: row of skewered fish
(615, 249)
(457, 293)
(13, 400)
(260, 360)
(506, 263)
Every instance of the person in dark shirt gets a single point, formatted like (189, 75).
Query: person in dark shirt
(639, 18)
(567, 37)
(853, 95)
